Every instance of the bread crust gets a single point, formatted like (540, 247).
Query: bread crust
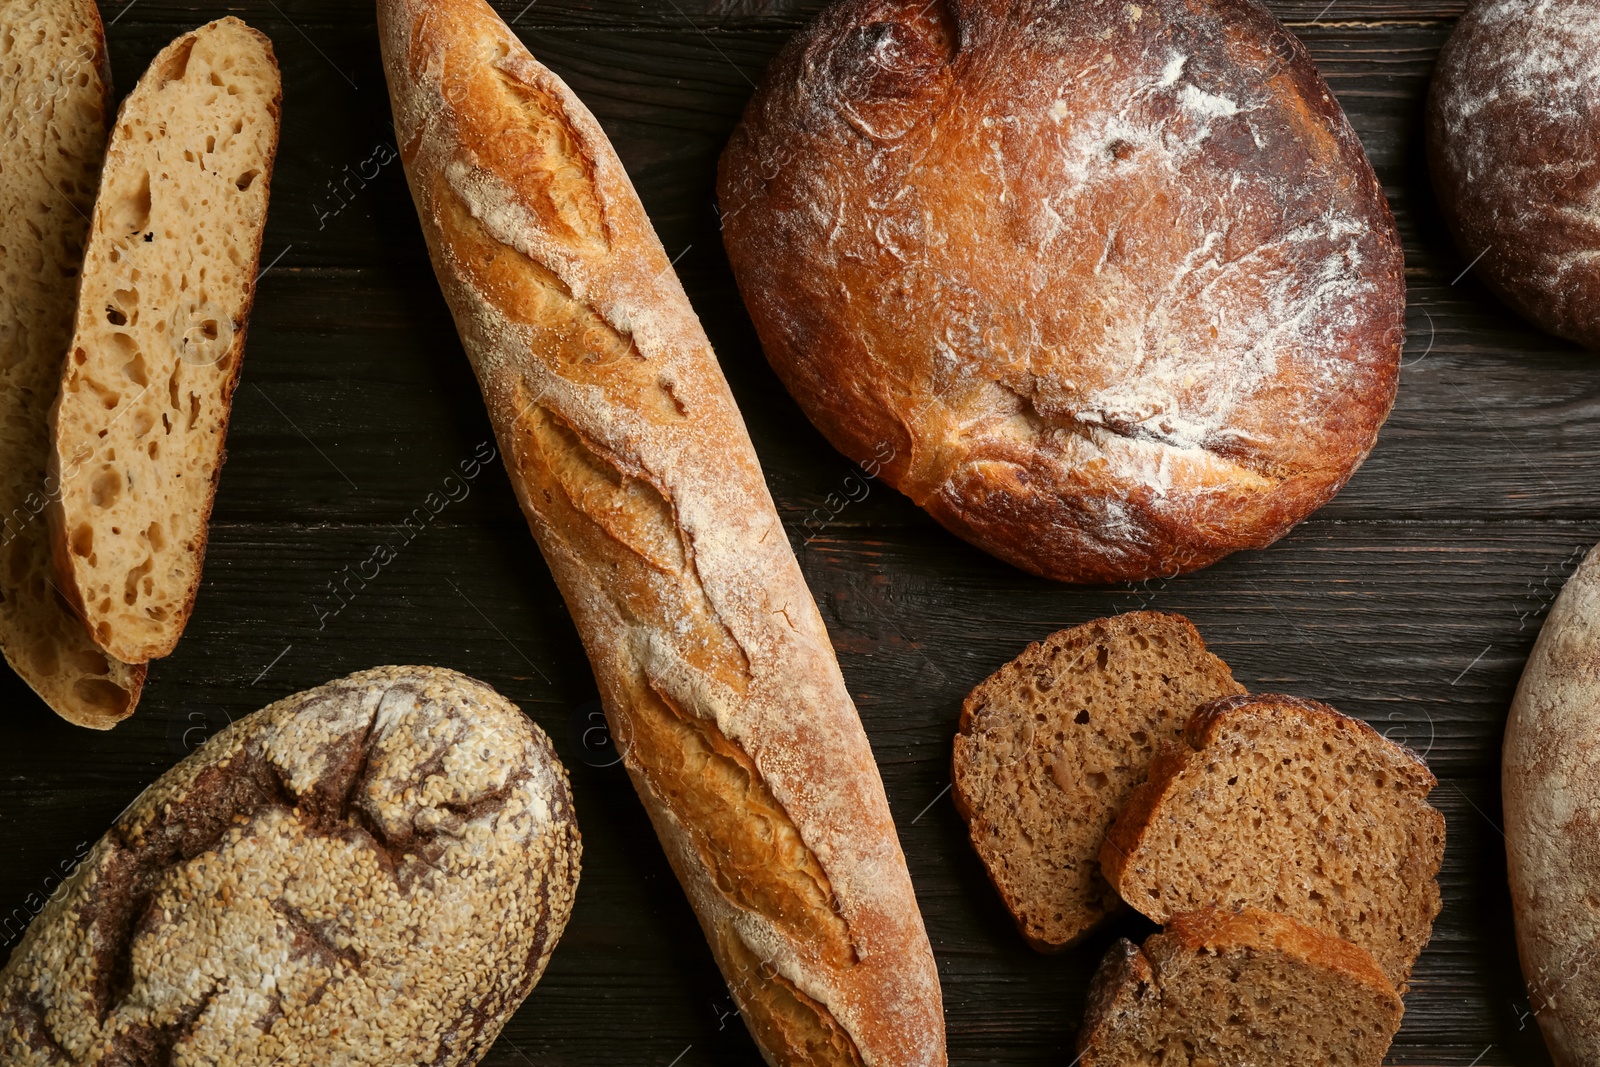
(1550, 785)
(1172, 768)
(65, 461)
(638, 480)
(1513, 138)
(375, 871)
(1054, 306)
(51, 170)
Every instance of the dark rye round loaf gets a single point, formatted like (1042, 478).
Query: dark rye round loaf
(371, 872)
(1514, 149)
(1112, 283)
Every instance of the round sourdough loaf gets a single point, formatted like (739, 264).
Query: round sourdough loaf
(1514, 148)
(1113, 283)
(371, 872)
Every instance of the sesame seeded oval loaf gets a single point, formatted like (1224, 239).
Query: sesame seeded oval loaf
(54, 105)
(374, 871)
(168, 279)
(1051, 745)
(1285, 804)
(1245, 989)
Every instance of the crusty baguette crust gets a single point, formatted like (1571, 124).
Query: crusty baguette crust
(1550, 784)
(374, 871)
(1124, 851)
(71, 464)
(638, 479)
(56, 87)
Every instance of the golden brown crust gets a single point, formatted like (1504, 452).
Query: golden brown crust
(375, 871)
(1107, 333)
(87, 410)
(1550, 782)
(1180, 785)
(1514, 151)
(633, 467)
(55, 86)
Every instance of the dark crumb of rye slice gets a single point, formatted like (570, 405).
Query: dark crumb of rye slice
(1052, 743)
(1280, 803)
(1238, 989)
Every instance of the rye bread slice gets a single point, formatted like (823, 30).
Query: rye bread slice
(1051, 744)
(1238, 989)
(55, 86)
(168, 279)
(1285, 804)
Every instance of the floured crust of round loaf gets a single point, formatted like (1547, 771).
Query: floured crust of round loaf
(1238, 989)
(168, 279)
(1550, 782)
(1050, 746)
(55, 88)
(1514, 150)
(1285, 804)
(374, 871)
(1113, 283)
(638, 479)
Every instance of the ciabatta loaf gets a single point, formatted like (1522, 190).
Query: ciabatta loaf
(1051, 745)
(1245, 989)
(168, 278)
(371, 872)
(1280, 803)
(55, 90)
(638, 479)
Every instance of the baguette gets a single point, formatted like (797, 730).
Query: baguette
(1550, 785)
(638, 479)
(55, 87)
(375, 871)
(158, 339)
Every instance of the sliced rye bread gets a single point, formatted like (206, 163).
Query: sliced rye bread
(167, 283)
(1285, 804)
(55, 89)
(1051, 744)
(1238, 989)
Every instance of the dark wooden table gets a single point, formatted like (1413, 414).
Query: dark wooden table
(1411, 600)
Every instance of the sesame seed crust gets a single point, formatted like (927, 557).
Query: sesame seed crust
(374, 871)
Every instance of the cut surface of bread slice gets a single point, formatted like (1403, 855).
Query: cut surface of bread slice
(54, 96)
(1050, 746)
(1285, 804)
(168, 278)
(1246, 989)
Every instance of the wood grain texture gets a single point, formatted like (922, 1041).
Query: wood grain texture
(1410, 601)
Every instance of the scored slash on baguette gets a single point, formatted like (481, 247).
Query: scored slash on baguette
(1051, 745)
(636, 474)
(1244, 989)
(1285, 804)
(168, 279)
(55, 87)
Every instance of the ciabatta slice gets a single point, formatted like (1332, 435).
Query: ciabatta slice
(168, 279)
(54, 105)
(1279, 803)
(1052, 743)
(1245, 989)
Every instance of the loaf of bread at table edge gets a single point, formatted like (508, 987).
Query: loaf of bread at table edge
(55, 89)
(1550, 785)
(374, 871)
(639, 481)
